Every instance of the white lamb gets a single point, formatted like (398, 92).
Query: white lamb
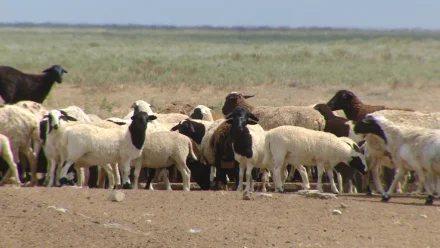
(411, 148)
(298, 145)
(101, 146)
(163, 149)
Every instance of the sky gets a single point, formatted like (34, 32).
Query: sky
(376, 14)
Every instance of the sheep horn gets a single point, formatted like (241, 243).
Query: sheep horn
(248, 96)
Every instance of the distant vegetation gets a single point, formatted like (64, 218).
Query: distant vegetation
(218, 56)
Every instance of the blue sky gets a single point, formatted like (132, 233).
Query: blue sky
(325, 13)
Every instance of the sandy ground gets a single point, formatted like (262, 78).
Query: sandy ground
(74, 217)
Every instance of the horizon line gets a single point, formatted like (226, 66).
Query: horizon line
(203, 26)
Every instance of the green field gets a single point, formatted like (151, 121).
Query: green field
(225, 57)
(222, 58)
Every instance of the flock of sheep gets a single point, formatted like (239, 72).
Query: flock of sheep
(248, 141)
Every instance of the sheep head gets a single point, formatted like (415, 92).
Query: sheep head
(141, 105)
(324, 110)
(371, 124)
(233, 100)
(56, 72)
(343, 99)
(240, 117)
(199, 111)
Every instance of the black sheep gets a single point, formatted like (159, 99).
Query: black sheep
(17, 86)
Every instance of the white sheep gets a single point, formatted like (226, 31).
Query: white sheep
(55, 152)
(375, 148)
(8, 157)
(201, 112)
(101, 146)
(141, 105)
(412, 149)
(271, 117)
(298, 145)
(21, 127)
(163, 149)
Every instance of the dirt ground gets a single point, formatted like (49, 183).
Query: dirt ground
(74, 217)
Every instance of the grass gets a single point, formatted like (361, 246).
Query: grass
(193, 59)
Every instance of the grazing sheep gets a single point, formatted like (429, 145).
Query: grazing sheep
(101, 146)
(163, 149)
(21, 127)
(341, 127)
(412, 149)
(271, 117)
(201, 112)
(354, 109)
(298, 145)
(8, 157)
(17, 86)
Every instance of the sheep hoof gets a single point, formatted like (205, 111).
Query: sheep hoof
(429, 200)
(127, 186)
(65, 181)
(386, 198)
(117, 186)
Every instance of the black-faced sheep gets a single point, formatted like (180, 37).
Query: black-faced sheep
(355, 110)
(17, 86)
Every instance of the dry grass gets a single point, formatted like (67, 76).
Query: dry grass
(111, 68)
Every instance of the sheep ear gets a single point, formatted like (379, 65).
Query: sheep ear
(46, 116)
(176, 127)
(251, 122)
(70, 118)
(253, 117)
(248, 96)
(191, 126)
(229, 116)
(120, 123)
(152, 117)
(63, 70)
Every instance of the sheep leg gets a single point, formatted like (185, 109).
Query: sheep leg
(332, 180)
(212, 174)
(340, 182)
(63, 174)
(186, 174)
(150, 177)
(302, 171)
(249, 178)
(5, 177)
(376, 179)
(109, 172)
(8, 158)
(264, 179)
(164, 175)
(32, 158)
(51, 172)
(291, 174)
(401, 172)
(320, 173)
(117, 176)
(137, 172)
(276, 174)
(80, 175)
(126, 183)
(427, 183)
(240, 178)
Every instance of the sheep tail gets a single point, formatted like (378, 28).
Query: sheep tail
(191, 151)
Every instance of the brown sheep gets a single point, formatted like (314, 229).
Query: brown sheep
(271, 117)
(355, 111)
(352, 106)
